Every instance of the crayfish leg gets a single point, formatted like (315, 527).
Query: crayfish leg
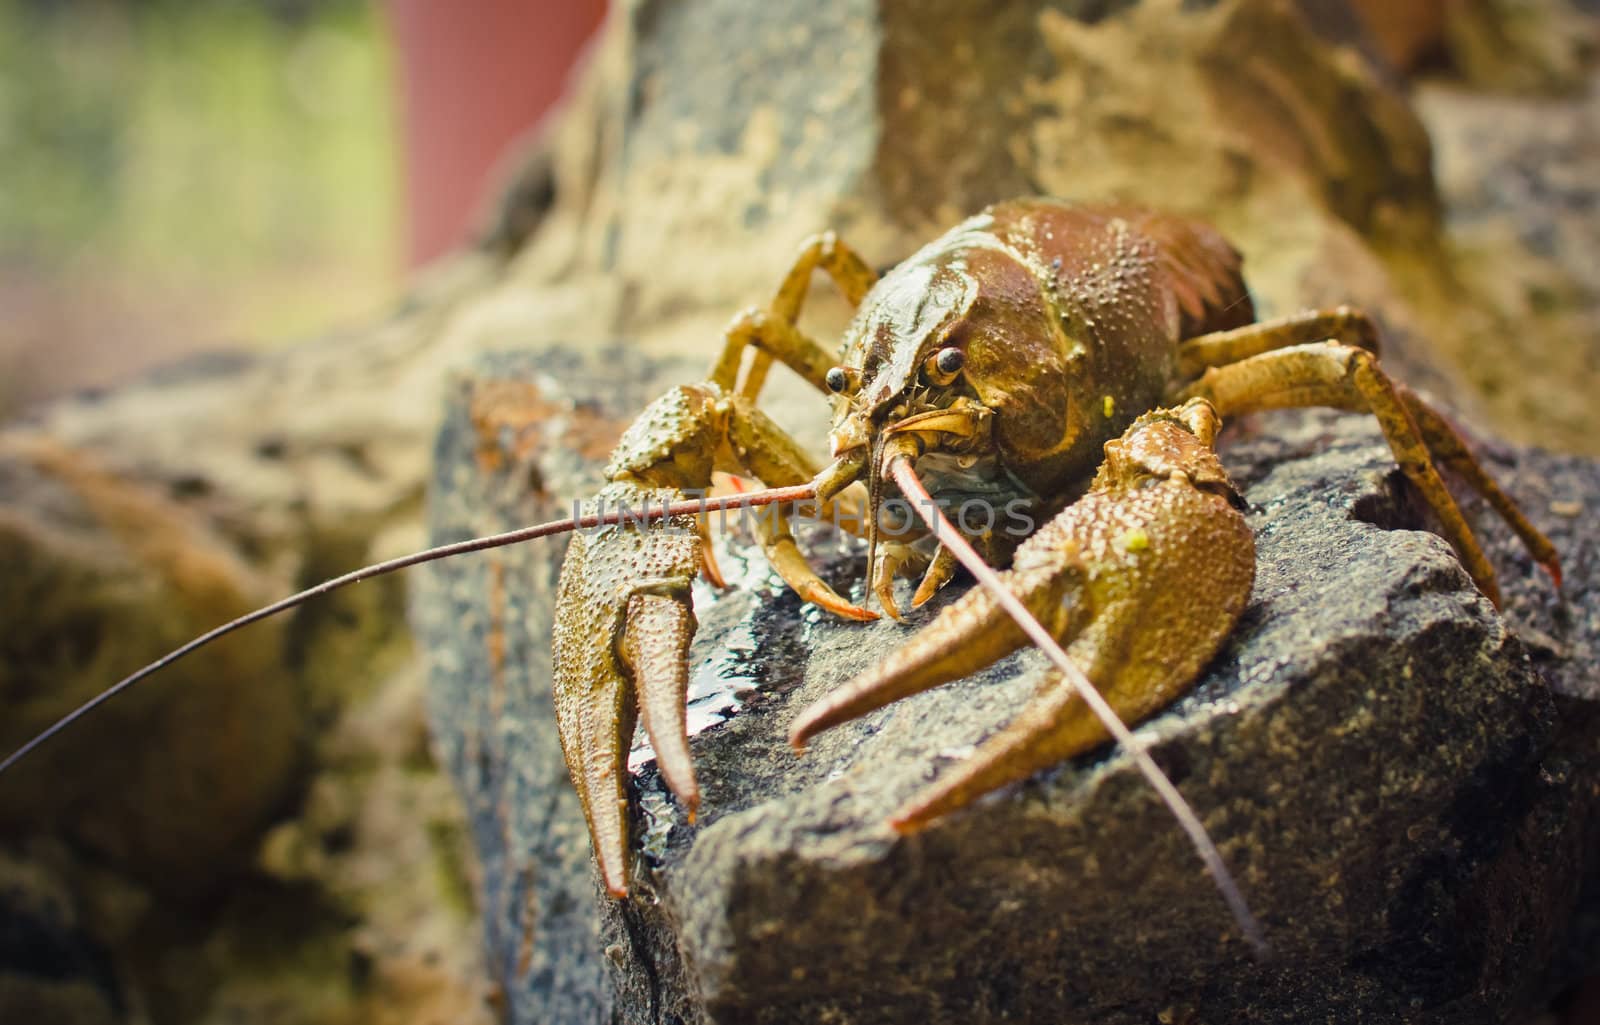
(1219, 348)
(1345, 377)
(1447, 445)
(940, 570)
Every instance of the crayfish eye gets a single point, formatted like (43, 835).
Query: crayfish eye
(842, 379)
(943, 366)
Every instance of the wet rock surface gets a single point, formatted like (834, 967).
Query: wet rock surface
(1396, 775)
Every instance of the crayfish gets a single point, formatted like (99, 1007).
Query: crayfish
(1006, 360)
(1073, 363)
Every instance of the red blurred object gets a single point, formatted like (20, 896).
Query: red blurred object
(473, 78)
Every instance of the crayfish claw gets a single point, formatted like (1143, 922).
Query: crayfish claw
(965, 637)
(654, 644)
(1053, 727)
(1111, 577)
(623, 627)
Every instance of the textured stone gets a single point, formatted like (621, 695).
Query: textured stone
(1373, 750)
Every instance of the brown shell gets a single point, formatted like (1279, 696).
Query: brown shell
(1200, 268)
(1203, 271)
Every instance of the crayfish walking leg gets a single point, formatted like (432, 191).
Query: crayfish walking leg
(1330, 359)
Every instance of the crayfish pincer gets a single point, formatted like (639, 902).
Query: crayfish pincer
(1036, 348)
(1116, 576)
(1031, 346)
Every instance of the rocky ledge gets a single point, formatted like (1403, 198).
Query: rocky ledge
(1396, 773)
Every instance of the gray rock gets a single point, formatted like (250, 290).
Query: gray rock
(1374, 751)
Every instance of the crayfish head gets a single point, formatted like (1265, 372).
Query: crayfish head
(905, 358)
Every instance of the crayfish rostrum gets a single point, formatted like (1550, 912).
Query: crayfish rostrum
(1034, 348)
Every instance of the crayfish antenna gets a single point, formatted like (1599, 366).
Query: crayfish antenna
(905, 475)
(687, 507)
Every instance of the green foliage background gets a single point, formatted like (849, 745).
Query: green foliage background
(176, 175)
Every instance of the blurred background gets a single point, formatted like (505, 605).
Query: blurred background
(178, 176)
